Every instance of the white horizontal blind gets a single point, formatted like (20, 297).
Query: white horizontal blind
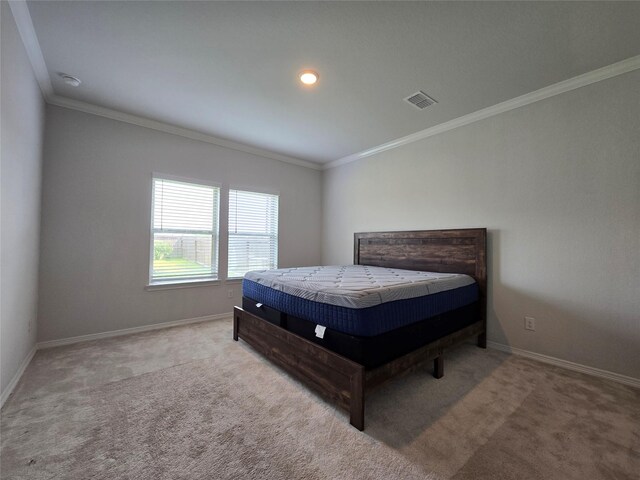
(253, 232)
(185, 231)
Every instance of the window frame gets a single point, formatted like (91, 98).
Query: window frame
(215, 244)
(249, 189)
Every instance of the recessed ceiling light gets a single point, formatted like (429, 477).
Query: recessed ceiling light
(309, 77)
(70, 79)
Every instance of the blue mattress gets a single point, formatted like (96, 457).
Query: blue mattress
(366, 322)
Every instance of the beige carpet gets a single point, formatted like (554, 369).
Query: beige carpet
(189, 403)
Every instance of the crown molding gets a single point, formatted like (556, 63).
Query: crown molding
(21, 14)
(27, 32)
(86, 107)
(619, 68)
(22, 17)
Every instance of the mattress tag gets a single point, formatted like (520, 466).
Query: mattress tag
(258, 305)
(320, 331)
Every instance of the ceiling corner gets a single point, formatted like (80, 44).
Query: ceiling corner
(22, 17)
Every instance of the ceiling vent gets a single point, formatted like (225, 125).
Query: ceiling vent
(420, 100)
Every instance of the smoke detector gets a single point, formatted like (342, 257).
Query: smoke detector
(70, 79)
(420, 100)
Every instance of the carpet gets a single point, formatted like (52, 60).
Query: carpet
(189, 403)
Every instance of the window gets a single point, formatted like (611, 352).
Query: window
(185, 232)
(253, 232)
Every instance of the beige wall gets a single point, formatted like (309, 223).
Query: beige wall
(21, 134)
(557, 183)
(96, 214)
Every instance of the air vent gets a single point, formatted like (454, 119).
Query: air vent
(420, 100)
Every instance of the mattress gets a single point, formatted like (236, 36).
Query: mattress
(371, 352)
(359, 299)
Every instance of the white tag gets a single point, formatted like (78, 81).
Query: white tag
(258, 305)
(320, 331)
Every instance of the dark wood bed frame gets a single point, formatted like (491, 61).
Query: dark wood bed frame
(344, 381)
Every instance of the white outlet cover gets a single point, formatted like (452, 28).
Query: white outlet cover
(530, 323)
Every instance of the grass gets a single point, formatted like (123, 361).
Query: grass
(167, 267)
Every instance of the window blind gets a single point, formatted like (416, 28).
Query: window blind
(253, 232)
(185, 231)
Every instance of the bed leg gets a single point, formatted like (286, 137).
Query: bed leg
(236, 319)
(356, 406)
(482, 340)
(438, 367)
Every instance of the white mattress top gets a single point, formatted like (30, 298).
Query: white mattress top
(357, 286)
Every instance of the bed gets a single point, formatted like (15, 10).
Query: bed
(344, 345)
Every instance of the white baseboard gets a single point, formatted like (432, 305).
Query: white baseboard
(128, 331)
(96, 336)
(16, 378)
(616, 377)
(596, 372)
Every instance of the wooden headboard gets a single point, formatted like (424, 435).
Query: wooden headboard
(449, 251)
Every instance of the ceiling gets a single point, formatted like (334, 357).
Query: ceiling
(228, 69)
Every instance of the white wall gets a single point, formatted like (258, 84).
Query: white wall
(96, 214)
(557, 183)
(21, 133)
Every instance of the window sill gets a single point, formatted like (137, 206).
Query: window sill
(177, 285)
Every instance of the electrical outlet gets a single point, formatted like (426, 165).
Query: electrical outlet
(229, 293)
(530, 323)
